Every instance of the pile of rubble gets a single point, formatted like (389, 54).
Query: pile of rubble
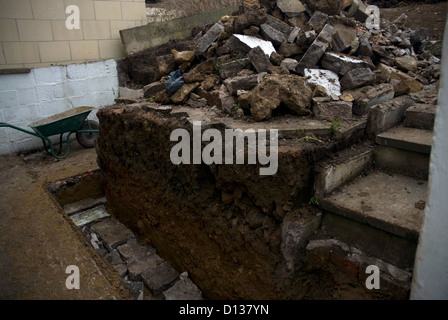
(309, 58)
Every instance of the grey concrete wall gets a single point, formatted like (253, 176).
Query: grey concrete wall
(154, 34)
(431, 266)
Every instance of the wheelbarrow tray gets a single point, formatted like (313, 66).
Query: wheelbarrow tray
(67, 121)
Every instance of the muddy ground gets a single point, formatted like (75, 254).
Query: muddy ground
(37, 242)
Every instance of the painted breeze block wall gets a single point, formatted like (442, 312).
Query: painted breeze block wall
(43, 92)
(33, 33)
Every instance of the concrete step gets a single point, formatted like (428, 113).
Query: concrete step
(341, 168)
(421, 116)
(408, 163)
(405, 138)
(389, 202)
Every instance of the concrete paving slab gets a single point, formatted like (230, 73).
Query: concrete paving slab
(112, 232)
(85, 217)
(392, 203)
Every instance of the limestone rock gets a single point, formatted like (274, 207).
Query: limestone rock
(290, 91)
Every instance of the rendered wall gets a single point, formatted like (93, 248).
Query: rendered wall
(33, 32)
(431, 266)
(43, 92)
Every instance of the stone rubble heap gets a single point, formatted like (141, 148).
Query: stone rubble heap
(139, 265)
(309, 58)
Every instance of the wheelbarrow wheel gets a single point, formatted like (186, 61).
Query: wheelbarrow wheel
(87, 139)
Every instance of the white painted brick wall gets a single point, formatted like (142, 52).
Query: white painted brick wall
(25, 98)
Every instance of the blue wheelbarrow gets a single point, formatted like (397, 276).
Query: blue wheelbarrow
(71, 121)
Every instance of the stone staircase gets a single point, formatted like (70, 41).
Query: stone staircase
(373, 197)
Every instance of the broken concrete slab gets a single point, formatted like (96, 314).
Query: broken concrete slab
(384, 116)
(112, 232)
(365, 198)
(83, 204)
(121, 269)
(333, 110)
(316, 50)
(160, 278)
(259, 60)
(341, 169)
(88, 216)
(405, 138)
(341, 63)
(421, 116)
(208, 38)
(152, 35)
(366, 97)
(324, 78)
(199, 72)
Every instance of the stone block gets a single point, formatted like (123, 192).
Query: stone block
(244, 43)
(160, 278)
(112, 232)
(333, 110)
(234, 84)
(83, 204)
(259, 60)
(318, 21)
(390, 73)
(421, 116)
(368, 96)
(208, 38)
(356, 78)
(184, 289)
(316, 50)
(272, 34)
(88, 216)
(382, 117)
(230, 69)
(137, 289)
(341, 63)
(331, 175)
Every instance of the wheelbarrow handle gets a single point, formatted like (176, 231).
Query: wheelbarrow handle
(44, 139)
(4, 124)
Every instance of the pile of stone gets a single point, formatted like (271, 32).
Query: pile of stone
(309, 58)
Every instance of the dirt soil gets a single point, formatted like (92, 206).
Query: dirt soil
(431, 16)
(38, 242)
